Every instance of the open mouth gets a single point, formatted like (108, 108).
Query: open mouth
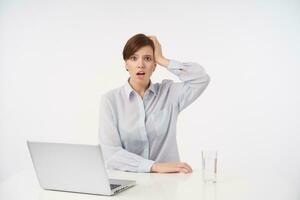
(140, 73)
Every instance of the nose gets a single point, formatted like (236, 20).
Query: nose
(140, 63)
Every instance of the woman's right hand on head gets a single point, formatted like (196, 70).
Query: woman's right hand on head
(171, 167)
(158, 55)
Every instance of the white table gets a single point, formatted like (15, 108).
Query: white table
(24, 185)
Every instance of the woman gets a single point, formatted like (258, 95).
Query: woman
(138, 120)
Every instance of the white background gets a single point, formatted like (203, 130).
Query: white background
(58, 57)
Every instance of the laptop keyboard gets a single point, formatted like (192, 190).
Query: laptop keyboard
(113, 186)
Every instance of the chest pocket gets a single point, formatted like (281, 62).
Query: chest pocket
(160, 121)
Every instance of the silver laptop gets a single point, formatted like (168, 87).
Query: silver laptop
(73, 168)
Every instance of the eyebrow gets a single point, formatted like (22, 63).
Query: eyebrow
(143, 55)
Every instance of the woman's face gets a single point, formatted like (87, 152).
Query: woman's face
(141, 65)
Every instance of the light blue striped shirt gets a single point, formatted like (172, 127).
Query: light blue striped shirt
(136, 132)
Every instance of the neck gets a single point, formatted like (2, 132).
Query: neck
(140, 88)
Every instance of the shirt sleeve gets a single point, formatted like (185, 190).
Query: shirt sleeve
(194, 81)
(115, 156)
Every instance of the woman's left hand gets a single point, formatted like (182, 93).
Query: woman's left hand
(158, 56)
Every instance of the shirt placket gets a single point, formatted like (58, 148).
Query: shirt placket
(142, 124)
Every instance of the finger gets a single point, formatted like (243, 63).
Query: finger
(172, 170)
(188, 166)
(153, 38)
(169, 169)
(185, 166)
(181, 164)
(175, 169)
(183, 170)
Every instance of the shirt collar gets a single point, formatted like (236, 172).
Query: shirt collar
(129, 90)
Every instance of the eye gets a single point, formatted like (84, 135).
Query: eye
(148, 58)
(133, 58)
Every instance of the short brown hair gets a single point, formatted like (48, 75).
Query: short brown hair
(135, 43)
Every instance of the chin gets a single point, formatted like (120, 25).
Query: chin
(145, 80)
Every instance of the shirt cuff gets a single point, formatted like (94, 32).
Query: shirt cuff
(145, 165)
(174, 64)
